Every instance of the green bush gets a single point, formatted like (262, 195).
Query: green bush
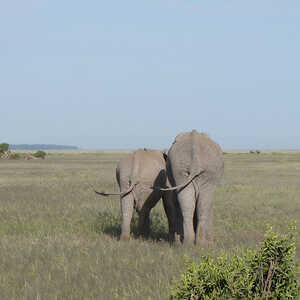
(267, 273)
(4, 147)
(40, 154)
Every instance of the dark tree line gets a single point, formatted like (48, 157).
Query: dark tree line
(41, 147)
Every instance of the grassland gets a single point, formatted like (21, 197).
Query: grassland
(58, 240)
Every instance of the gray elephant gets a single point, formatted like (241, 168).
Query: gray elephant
(195, 166)
(136, 174)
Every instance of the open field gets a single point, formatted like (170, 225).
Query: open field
(58, 240)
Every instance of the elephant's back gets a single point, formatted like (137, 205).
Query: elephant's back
(192, 152)
(149, 165)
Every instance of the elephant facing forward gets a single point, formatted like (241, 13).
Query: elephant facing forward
(195, 166)
(136, 174)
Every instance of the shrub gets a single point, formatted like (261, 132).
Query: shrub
(40, 154)
(15, 156)
(267, 273)
(3, 147)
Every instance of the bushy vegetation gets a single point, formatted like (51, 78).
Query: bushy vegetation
(40, 154)
(267, 273)
(4, 147)
(14, 156)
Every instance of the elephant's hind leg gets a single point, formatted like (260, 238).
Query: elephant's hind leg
(144, 223)
(144, 214)
(187, 202)
(126, 210)
(204, 236)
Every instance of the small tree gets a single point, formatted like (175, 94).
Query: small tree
(4, 147)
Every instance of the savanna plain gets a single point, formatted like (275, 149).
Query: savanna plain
(59, 240)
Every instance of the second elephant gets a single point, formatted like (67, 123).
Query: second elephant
(136, 174)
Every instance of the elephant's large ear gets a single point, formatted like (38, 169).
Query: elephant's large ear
(165, 153)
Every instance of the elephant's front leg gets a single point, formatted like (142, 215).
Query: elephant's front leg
(126, 210)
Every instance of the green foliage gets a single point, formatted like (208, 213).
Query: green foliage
(15, 156)
(4, 147)
(267, 273)
(40, 154)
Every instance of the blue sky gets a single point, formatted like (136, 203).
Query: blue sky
(129, 74)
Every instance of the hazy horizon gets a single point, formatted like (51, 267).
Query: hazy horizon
(133, 74)
(82, 147)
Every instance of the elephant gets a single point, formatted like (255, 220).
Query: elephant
(195, 166)
(136, 174)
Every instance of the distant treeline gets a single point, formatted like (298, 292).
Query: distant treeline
(41, 147)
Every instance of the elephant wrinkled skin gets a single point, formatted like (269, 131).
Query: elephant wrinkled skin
(195, 165)
(136, 174)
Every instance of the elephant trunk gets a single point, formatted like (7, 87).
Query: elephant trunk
(127, 210)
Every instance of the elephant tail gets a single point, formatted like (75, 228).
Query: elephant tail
(105, 194)
(181, 186)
